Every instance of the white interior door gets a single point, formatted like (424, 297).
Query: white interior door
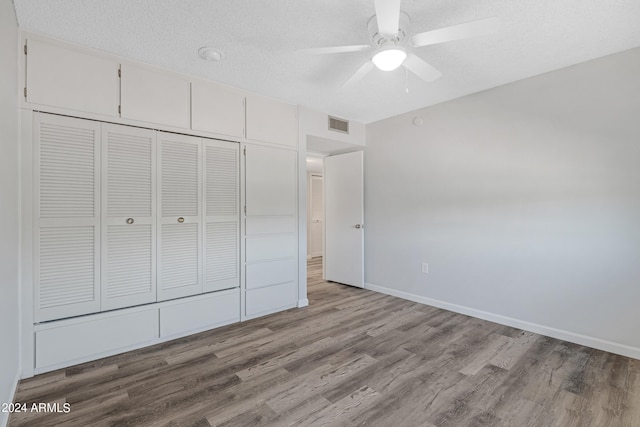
(344, 217)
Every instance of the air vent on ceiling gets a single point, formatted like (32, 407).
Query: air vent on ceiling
(338, 125)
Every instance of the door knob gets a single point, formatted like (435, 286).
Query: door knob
(130, 221)
(358, 226)
(181, 220)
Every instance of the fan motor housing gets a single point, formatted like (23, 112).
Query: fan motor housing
(379, 40)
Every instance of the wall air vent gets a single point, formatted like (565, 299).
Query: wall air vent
(338, 125)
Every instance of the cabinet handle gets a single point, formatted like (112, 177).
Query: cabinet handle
(130, 221)
(181, 220)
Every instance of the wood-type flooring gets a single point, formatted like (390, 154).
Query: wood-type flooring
(352, 358)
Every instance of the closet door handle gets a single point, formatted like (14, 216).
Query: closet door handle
(181, 220)
(130, 221)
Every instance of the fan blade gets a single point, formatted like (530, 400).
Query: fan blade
(480, 27)
(388, 17)
(420, 68)
(335, 49)
(358, 75)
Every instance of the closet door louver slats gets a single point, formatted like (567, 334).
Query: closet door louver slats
(222, 219)
(179, 256)
(67, 165)
(130, 164)
(67, 172)
(222, 256)
(180, 207)
(180, 183)
(128, 221)
(128, 264)
(67, 270)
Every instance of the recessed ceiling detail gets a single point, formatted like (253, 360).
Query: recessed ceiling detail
(210, 54)
(260, 40)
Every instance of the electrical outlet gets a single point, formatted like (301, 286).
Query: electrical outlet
(425, 268)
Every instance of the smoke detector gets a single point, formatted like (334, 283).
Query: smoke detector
(210, 54)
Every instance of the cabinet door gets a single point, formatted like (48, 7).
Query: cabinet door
(272, 121)
(67, 206)
(271, 181)
(64, 78)
(271, 250)
(222, 220)
(180, 220)
(154, 96)
(217, 109)
(128, 216)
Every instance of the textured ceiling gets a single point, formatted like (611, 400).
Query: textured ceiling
(259, 40)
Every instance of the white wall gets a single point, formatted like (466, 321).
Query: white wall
(524, 200)
(9, 204)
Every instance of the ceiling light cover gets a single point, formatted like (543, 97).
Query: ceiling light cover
(210, 54)
(389, 59)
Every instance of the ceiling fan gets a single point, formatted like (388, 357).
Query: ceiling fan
(393, 44)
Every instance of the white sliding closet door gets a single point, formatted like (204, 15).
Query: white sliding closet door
(222, 215)
(179, 205)
(67, 206)
(128, 218)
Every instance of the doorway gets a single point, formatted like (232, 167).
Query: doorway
(337, 245)
(344, 218)
(315, 205)
(315, 221)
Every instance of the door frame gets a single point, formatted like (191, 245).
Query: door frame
(318, 176)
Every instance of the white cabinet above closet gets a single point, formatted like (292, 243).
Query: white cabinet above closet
(272, 121)
(87, 83)
(217, 109)
(66, 78)
(151, 96)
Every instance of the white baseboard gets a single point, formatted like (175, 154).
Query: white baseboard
(600, 344)
(4, 416)
(303, 303)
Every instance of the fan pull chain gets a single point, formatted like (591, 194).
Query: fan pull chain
(406, 80)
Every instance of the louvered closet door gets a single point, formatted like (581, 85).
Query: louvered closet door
(67, 206)
(128, 216)
(179, 234)
(222, 225)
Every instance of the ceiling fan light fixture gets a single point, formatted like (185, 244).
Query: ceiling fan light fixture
(389, 59)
